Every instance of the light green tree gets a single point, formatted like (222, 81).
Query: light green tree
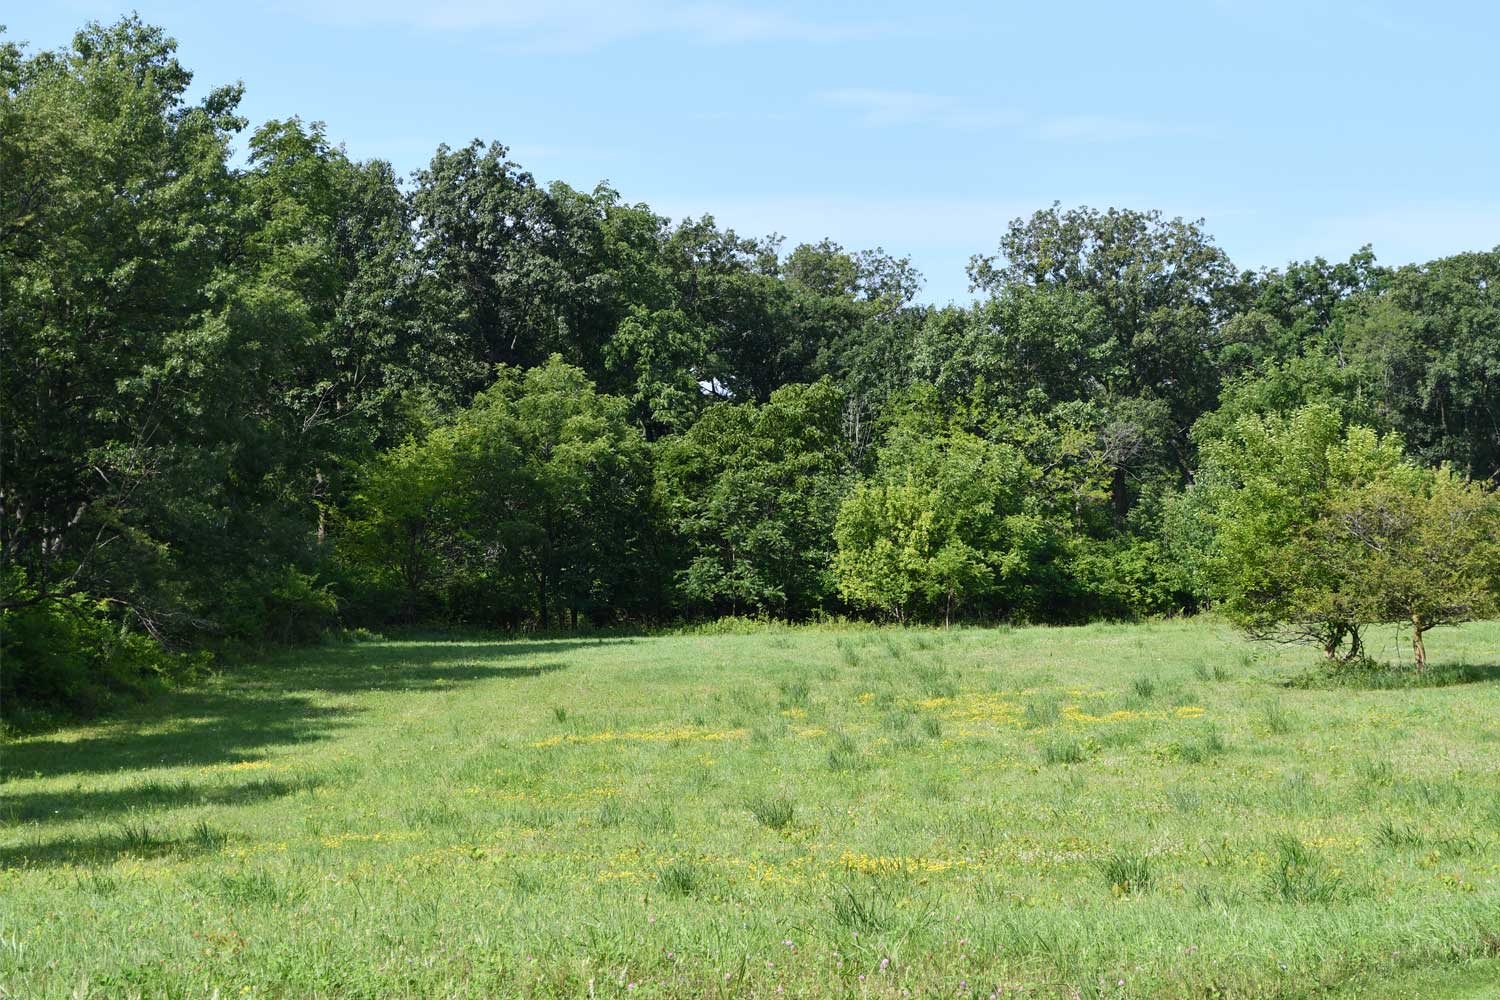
(1309, 532)
(947, 518)
(1424, 547)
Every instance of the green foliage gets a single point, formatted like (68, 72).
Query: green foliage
(75, 655)
(282, 605)
(1314, 532)
(537, 498)
(1427, 547)
(1128, 577)
(257, 398)
(948, 518)
(1256, 498)
(751, 491)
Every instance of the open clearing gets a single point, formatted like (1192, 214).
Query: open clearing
(1107, 811)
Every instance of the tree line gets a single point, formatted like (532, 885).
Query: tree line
(255, 395)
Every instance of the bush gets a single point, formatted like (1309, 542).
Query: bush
(72, 656)
(1127, 578)
(282, 605)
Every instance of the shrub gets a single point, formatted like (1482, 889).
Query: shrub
(75, 656)
(283, 605)
(1127, 578)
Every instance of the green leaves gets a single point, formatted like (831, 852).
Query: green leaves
(752, 491)
(535, 499)
(948, 518)
(1318, 531)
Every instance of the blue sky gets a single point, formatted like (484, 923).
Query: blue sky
(1294, 128)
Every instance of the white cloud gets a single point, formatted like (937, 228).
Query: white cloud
(1100, 128)
(906, 107)
(579, 25)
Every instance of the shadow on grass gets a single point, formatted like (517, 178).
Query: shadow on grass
(267, 704)
(98, 804)
(1384, 678)
(84, 852)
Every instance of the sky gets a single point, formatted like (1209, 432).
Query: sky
(1294, 128)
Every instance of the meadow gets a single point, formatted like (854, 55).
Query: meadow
(1111, 811)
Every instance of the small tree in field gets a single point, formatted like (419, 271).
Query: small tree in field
(1427, 548)
(1317, 532)
(1262, 490)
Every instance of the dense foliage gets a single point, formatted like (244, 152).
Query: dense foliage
(252, 399)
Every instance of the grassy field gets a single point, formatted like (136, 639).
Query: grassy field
(1109, 811)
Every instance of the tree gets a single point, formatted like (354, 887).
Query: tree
(115, 228)
(1142, 299)
(1427, 345)
(1260, 497)
(947, 519)
(401, 529)
(1315, 531)
(1425, 544)
(752, 491)
(535, 500)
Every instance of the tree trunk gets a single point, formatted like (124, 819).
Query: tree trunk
(1356, 646)
(1418, 648)
(1119, 491)
(1331, 645)
(322, 515)
(541, 601)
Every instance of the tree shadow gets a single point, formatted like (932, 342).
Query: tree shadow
(1388, 678)
(99, 850)
(97, 804)
(272, 703)
(191, 728)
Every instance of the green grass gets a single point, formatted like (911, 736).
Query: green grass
(1108, 811)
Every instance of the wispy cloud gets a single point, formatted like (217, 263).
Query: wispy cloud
(1101, 128)
(580, 25)
(906, 107)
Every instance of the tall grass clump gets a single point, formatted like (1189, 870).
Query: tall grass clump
(795, 693)
(680, 877)
(1066, 750)
(865, 910)
(1204, 746)
(1041, 711)
(775, 812)
(134, 836)
(1299, 874)
(1278, 718)
(843, 753)
(1126, 873)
